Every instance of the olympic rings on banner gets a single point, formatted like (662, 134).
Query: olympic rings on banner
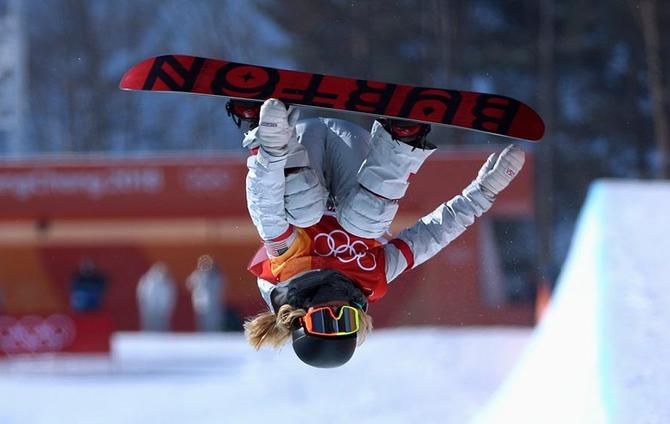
(34, 334)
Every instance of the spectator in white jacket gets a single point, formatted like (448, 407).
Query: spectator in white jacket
(206, 286)
(156, 298)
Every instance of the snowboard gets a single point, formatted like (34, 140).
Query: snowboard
(488, 113)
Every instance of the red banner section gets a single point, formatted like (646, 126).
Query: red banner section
(98, 187)
(53, 333)
(109, 187)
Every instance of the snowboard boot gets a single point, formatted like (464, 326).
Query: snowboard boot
(244, 111)
(383, 178)
(408, 132)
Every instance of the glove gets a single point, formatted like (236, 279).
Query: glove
(499, 171)
(276, 127)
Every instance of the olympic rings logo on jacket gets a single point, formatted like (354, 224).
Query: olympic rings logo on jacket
(338, 244)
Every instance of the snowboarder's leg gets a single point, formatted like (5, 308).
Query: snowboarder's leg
(305, 193)
(347, 146)
(304, 197)
(370, 207)
(334, 151)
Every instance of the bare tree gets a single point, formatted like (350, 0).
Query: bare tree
(648, 12)
(544, 168)
(80, 49)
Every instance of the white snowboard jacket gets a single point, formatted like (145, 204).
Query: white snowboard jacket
(310, 157)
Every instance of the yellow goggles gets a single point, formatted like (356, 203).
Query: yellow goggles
(331, 320)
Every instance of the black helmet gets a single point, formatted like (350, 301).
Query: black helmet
(322, 352)
(319, 288)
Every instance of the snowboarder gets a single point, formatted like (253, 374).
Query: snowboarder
(322, 193)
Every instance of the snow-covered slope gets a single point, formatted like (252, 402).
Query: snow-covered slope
(422, 375)
(602, 352)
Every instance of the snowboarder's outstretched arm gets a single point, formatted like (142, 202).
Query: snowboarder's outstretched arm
(436, 230)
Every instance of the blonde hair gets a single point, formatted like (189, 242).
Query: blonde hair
(275, 329)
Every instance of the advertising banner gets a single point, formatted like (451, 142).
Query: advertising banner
(54, 333)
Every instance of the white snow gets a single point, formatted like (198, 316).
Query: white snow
(601, 354)
(426, 375)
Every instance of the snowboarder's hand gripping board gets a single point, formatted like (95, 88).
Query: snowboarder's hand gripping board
(500, 170)
(276, 127)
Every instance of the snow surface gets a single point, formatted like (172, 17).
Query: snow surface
(602, 352)
(422, 375)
